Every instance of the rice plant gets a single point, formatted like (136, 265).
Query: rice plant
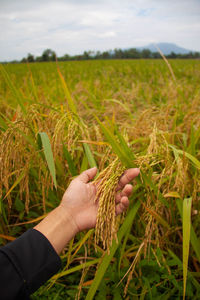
(55, 122)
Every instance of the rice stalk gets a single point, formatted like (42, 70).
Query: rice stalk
(106, 183)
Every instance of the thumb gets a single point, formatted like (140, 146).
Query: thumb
(87, 175)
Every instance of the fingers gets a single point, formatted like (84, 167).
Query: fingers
(122, 206)
(127, 190)
(127, 177)
(87, 175)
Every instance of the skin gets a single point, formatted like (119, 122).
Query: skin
(77, 210)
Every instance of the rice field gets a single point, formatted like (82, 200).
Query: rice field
(57, 120)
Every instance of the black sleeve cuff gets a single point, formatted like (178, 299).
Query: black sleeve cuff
(34, 259)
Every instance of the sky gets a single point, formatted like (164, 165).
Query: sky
(75, 26)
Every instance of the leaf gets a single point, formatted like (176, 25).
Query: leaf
(187, 203)
(79, 244)
(98, 143)
(90, 157)
(3, 124)
(115, 145)
(48, 155)
(194, 239)
(84, 163)
(19, 205)
(193, 159)
(122, 104)
(31, 221)
(70, 162)
(123, 143)
(108, 257)
(77, 268)
(16, 183)
(179, 263)
(7, 237)
(70, 101)
(172, 195)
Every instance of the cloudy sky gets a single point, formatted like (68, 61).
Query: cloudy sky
(72, 26)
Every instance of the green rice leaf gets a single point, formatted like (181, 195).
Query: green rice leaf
(77, 268)
(70, 101)
(123, 143)
(115, 145)
(84, 163)
(90, 157)
(194, 239)
(3, 124)
(46, 145)
(180, 266)
(187, 203)
(193, 159)
(70, 162)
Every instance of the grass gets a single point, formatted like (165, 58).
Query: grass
(56, 122)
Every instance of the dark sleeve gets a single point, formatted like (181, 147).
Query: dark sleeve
(25, 264)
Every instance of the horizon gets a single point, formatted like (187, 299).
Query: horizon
(72, 28)
(139, 49)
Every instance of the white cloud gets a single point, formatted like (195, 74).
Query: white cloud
(71, 27)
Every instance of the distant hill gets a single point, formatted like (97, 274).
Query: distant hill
(166, 48)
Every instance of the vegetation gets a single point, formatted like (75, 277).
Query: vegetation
(132, 53)
(57, 120)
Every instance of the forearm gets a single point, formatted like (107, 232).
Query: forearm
(58, 227)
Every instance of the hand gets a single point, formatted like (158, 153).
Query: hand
(77, 210)
(78, 200)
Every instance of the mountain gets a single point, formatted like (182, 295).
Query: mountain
(166, 48)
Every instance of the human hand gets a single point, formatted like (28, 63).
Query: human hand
(78, 199)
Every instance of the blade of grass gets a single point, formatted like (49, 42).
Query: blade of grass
(126, 148)
(3, 124)
(180, 265)
(194, 239)
(193, 159)
(21, 176)
(115, 145)
(122, 250)
(81, 242)
(90, 157)
(71, 103)
(122, 104)
(77, 268)
(70, 162)
(108, 257)
(84, 164)
(187, 203)
(48, 155)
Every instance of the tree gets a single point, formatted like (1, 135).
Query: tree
(118, 53)
(30, 58)
(48, 55)
(146, 53)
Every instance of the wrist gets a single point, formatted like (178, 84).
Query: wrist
(58, 227)
(68, 217)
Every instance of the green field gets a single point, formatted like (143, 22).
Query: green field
(144, 112)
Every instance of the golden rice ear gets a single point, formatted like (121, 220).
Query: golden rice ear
(107, 225)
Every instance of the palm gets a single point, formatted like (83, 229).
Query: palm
(79, 198)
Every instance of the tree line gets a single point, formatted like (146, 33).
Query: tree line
(132, 53)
